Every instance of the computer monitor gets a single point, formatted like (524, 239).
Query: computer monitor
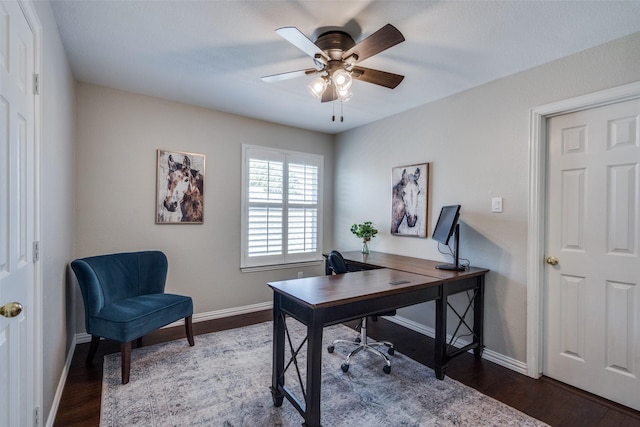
(446, 227)
(446, 223)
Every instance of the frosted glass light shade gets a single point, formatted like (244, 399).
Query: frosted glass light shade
(342, 79)
(317, 87)
(344, 94)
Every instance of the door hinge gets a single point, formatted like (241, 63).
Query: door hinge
(36, 84)
(36, 416)
(36, 251)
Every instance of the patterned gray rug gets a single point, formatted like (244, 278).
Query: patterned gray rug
(224, 381)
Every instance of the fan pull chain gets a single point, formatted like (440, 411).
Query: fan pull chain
(333, 106)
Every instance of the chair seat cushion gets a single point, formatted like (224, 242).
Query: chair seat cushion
(131, 318)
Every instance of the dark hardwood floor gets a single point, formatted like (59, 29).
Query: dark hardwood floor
(547, 400)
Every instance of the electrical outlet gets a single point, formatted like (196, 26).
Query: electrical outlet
(496, 204)
(299, 274)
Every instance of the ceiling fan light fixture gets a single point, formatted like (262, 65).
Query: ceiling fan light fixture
(342, 79)
(335, 55)
(317, 87)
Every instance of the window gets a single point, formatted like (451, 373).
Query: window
(282, 207)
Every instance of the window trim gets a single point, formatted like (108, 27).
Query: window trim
(269, 262)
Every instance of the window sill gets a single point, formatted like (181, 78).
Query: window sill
(281, 266)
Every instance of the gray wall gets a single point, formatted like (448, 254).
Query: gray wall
(58, 203)
(118, 134)
(477, 143)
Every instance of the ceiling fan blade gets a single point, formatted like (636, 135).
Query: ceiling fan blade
(329, 94)
(289, 75)
(377, 77)
(382, 39)
(299, 40)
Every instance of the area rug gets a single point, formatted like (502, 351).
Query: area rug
(224, 381)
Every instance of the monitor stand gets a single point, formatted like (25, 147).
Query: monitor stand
(456, 266)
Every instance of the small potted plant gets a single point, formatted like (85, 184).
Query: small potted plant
(366, 231)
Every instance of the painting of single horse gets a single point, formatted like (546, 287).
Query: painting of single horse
(180, 188)
(409, 198)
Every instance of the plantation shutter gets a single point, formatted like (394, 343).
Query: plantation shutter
(266, 178)
(302, 212)
(281, 215)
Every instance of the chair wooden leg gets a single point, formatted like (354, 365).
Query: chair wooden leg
(93, 348)
(125, 349)
(139, 342)
(188, 324)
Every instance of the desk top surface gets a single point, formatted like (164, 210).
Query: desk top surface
(346, 288)
(414, 265)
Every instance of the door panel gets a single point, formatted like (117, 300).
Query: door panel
(592, 300)
(17, 221)
(573, 339)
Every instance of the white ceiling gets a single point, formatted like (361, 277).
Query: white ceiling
(213, 53)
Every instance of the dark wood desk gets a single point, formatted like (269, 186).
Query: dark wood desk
(453, 282)
(413, 265)
(326, 300)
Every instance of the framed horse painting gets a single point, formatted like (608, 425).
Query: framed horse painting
(409, 200)
(180, 188)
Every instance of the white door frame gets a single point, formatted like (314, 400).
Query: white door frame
(537, 208)
(30, 14)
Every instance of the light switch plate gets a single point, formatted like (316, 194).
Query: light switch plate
(496, 204)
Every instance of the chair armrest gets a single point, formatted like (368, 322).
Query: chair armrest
(89, 286)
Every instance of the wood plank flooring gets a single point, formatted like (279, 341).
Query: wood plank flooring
(545, 399)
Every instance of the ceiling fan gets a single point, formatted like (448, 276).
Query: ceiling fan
(335, 55)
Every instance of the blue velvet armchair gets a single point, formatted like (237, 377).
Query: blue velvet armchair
(124, 300)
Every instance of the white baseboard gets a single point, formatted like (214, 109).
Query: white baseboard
(84, 337)
(488, 354)
(492, 356)
(63, 379)
(228, 312)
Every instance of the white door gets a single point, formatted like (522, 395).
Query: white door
(592, 298)
(16, 217)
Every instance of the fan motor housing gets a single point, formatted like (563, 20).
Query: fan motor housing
(334, 43)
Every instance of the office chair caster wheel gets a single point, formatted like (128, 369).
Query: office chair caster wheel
(386, 369)
(391, 351)
(331, 348)
(345, 367)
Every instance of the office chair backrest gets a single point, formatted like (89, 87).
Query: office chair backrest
(337, 262)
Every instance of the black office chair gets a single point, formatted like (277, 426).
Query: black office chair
(338, 265)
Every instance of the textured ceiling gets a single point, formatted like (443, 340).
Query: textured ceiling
(213, 53)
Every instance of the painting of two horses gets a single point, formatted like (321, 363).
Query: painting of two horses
(409, 198)
(180, 188)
